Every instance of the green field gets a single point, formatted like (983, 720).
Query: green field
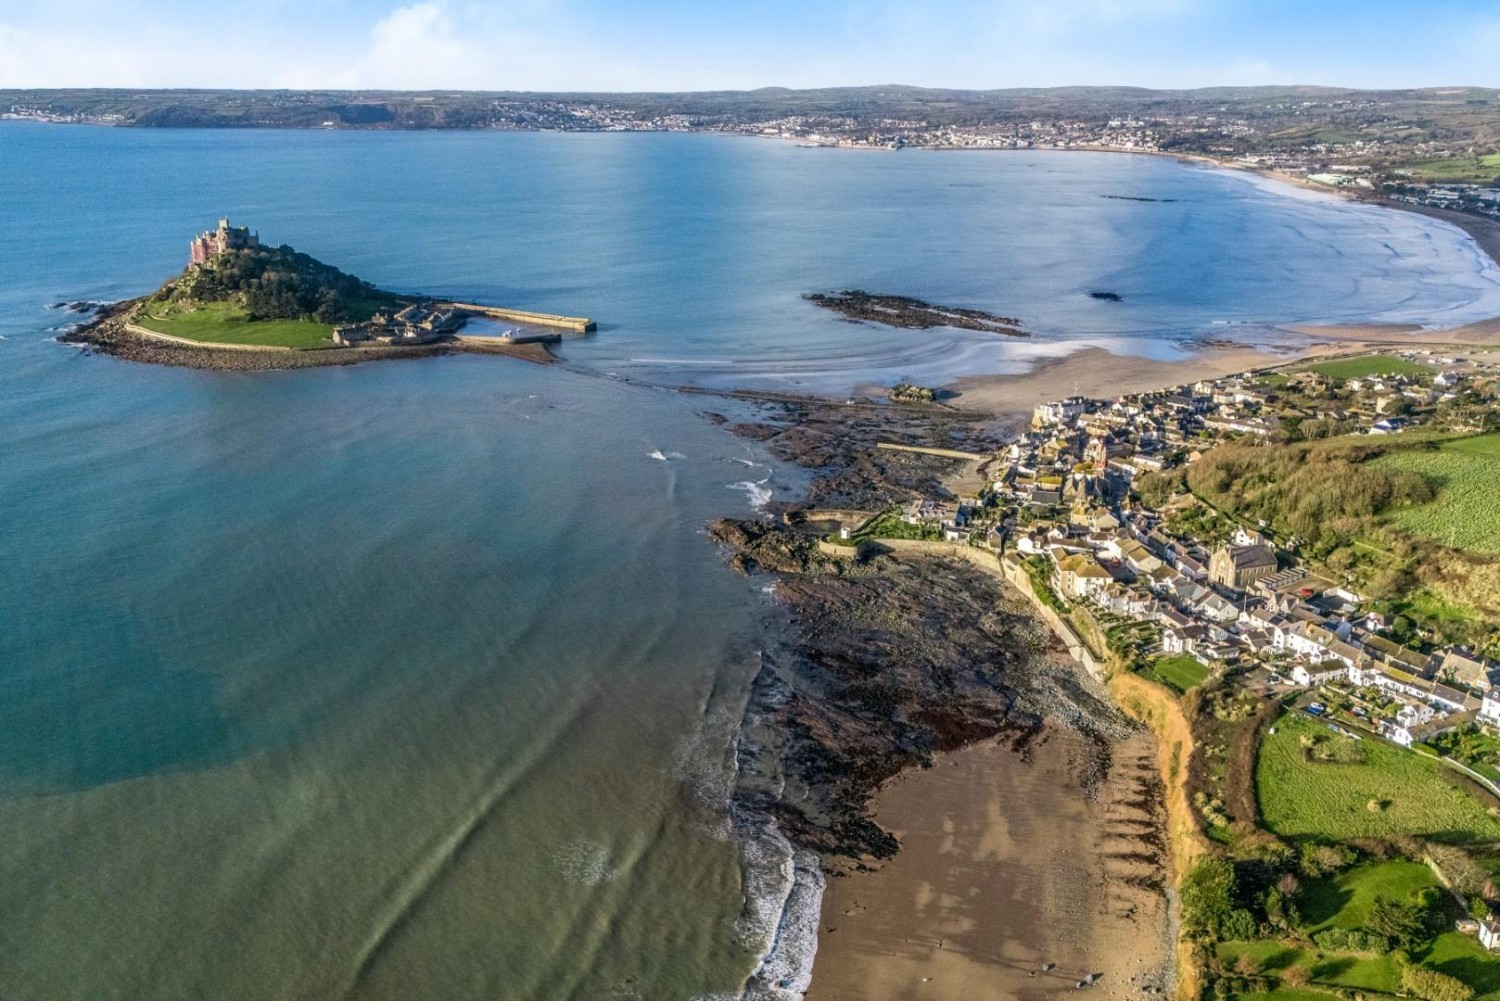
(225, 323)
(1344, 901)
(1300, 797)
(1180, 672)
(1474, 170)
(1367, 365)
(1467, 473)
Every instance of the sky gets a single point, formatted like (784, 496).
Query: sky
(624, 45)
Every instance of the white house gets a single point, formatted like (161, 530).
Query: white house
(1489, 933)
(1318, 674)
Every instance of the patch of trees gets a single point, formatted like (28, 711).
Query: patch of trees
(1322, 496)
(281, 283)
(1254, 895)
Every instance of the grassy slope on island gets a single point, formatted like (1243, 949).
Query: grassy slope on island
(227, 323)
(265, 296)
(1466, 473)
(1412, 794)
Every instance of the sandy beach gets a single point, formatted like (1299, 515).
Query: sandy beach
(1006, 865)
(1100, 373)
(1096, 372)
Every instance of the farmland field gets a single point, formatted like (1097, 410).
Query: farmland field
(226, 323)
(1411, 793)
(1467, 473)
(1367, 365)
(1479, 170)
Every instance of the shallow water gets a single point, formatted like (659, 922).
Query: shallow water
(418, 679)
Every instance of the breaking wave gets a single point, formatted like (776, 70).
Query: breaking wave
(759, 494)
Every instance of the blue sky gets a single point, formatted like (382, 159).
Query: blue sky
(711, 44)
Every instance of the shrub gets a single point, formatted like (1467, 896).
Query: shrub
(1207, 897)
(1352, 940)
(1240, 926)
(1324, 860)
(1430, 985)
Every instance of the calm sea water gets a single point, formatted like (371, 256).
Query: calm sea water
(417, 679)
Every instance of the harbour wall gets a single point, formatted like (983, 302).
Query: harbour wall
(579, 324)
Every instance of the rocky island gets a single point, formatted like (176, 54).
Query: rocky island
(858, 306)
(240, 304)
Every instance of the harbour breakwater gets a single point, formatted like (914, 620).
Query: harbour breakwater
(579, 324)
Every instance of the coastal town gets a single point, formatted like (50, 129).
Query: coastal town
(1258, 568)
(1061, 501)
(1432, 149)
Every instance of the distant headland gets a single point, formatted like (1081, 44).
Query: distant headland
(240, 304)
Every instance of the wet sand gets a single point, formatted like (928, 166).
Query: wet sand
(1483, 333)
(1006, 865)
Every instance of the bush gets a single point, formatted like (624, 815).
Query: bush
(1239, 926)
(1430, 985)
(1352, 940)
(1207, 896)
(1406, 925)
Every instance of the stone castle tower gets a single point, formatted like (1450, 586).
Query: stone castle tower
(217, 241)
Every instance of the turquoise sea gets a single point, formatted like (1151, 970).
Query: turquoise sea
(419, 679)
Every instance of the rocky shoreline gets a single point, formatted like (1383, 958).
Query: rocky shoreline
(872, 666)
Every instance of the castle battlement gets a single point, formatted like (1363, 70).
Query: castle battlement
(217, 241)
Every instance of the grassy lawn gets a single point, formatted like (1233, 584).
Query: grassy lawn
(1367, 365)
(1463, 957)
(225, 323)
(890, 526)
(1467, 473)
(1344, 901)
(1180, 672)
(1329, 970)
(1302, 797)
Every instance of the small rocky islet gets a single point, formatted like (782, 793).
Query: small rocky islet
(859, 306)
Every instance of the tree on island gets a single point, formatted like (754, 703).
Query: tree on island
(275, 283)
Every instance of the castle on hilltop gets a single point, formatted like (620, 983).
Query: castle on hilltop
(226, 237)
